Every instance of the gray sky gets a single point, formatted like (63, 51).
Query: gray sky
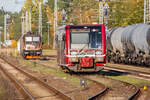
(12, 5)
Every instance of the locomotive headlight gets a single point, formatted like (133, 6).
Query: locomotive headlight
(98, 52)
(26, 52)
(38, 52)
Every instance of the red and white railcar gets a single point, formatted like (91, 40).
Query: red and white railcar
(81, 47)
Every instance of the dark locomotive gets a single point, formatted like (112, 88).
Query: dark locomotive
(129, 45)
(81, 47)
(30, 46)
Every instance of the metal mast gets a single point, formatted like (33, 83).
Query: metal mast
(40, 19)
(101, 10)
(5, 28)
(23, 23)
(149, 11)
(55, 23)
(146, 11)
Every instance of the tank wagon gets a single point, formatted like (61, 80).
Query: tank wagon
(30, 45)
(81, 47)
(129, 44)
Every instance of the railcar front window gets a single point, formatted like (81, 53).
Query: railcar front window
(78, 38)
(81, 38)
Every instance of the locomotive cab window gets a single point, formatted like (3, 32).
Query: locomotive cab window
(36, 39)
(28, 39)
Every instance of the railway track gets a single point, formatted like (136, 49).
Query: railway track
(26, 95)
(36, 89)
(94, 97)
(112, 91)
(133, 95)
(140, 74)
(124, 90)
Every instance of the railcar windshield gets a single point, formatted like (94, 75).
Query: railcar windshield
(85, 37)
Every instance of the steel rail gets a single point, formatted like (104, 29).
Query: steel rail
(106, 88)
(100, 93)
(137, 92)
(133, 96)
(61, 94)
(129, 70)
(20, 88)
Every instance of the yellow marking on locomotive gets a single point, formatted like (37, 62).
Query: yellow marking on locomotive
(15, 53)
(30, 57)
(145, 55)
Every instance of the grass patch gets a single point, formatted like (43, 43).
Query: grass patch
(1, 92)
(53, 62)
(130, 80)
(49, 52)
(50, 71)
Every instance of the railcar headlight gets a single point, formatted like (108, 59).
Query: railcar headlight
(98, 52)
(74, 53)
(73, 59)
(99, 59)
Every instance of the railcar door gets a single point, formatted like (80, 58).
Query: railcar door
(61, 48)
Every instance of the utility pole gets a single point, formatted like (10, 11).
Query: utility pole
(55, 23)
(106, 10)
(48, 31)
(23, 23)
(40, 19)
(30, 29)
(6, 27)
(27, 24)
(146, 11)
(101, 12)
(0, 36)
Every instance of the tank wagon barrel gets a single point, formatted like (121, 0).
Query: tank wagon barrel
(129, 44)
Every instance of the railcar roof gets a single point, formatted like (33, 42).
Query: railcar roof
(64, 26)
